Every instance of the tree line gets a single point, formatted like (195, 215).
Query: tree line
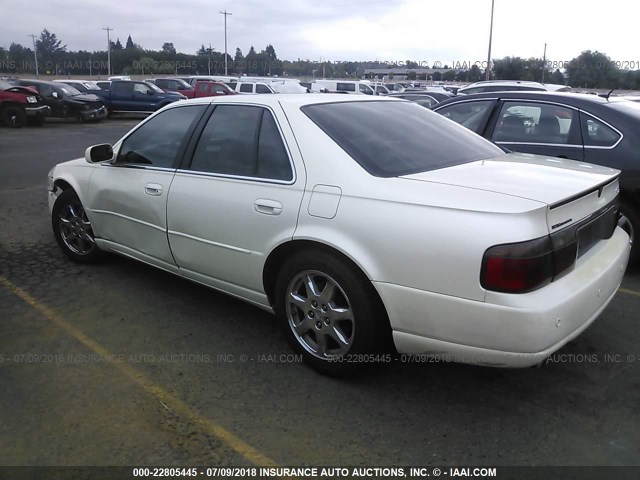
(590, 69)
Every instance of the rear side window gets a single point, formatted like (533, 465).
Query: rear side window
(532, 122)
(345, 87)
(597, 134)
(122, 88)
(162, 83)
(246, 87)
(417, 140)
(242, 141)
(472, 115)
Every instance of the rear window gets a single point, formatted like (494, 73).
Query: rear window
(414, 140)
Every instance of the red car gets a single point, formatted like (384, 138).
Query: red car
(173, 85)
(19, 104)
(207, 88)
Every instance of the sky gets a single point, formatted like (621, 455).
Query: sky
(425, 31)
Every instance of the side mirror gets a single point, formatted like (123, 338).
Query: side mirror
(54, 94)
(150, 92)
(98, 153)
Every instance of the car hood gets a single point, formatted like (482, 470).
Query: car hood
(86, 97)
(21, 89)
(535, 177)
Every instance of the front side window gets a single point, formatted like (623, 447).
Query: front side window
(468, 114)
(242, 141)
(417, 140)
(140, 88)
(532, 122)
(365, 89)
(596, 134)
(262, 89)
(158, 142)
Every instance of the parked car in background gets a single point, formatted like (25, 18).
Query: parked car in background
(587, 128)
(136, 97)
(67, 102)
(83, 86)
(174, 85)
(21, 105)
(104, 84)
(380, 90)
(510, 86)
(483, 257)
(250, 87)
(426, 99)
(207, 88)
(213, 78)
(362, 87)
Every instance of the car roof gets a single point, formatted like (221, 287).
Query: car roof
(571, 98)
(295, 99)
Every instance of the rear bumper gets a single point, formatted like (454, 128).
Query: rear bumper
(508, 330)
(41, 111)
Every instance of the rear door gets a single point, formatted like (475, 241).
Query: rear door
(237, 199)
(127, 200)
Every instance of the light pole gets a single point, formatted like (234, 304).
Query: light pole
(35, 54)
(108, 49)
(487, 74)
(225, 13)
(544, 62)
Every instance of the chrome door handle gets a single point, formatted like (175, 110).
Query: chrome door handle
(268, 207)
(153, 189)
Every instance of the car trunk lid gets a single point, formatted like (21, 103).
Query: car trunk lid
(572, 190)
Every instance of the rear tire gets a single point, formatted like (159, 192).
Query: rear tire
(72, 229)
(14, 117)
(331, 314)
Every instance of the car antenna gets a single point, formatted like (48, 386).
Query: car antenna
(609, 94)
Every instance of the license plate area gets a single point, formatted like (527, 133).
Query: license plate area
(599, 228)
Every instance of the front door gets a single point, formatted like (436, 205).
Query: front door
(128, 197)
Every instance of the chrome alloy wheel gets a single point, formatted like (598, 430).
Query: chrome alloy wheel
(75, 229)
(319, 314)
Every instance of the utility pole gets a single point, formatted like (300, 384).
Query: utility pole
(544, 62)
(35, 54)
(225, 13)
(108, 48)
(487, 75)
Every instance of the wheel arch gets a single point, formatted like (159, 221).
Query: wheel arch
(279, 255)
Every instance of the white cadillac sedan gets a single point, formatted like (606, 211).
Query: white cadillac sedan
(363, 223)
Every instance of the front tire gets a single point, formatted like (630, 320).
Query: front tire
(72, 229)
(330, 312)
(14, 117)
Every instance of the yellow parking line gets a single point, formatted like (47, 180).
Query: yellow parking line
(208, 425)
(629, 292)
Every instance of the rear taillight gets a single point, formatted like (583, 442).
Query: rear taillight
(526, 266)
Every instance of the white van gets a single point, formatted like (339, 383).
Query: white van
(361, 87)
(250, 87)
